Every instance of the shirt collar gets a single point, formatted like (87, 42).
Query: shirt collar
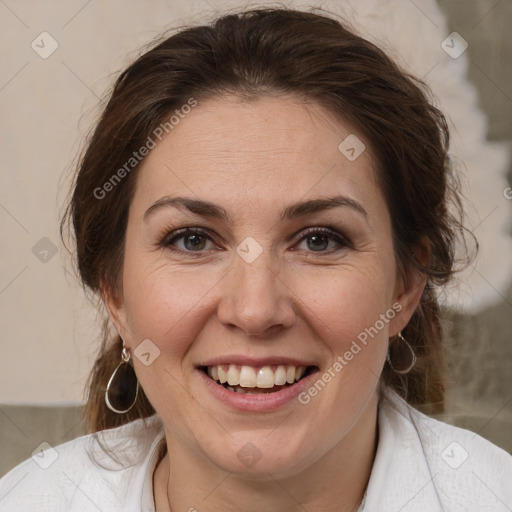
(400, 479)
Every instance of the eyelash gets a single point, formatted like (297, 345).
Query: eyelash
(168, 239)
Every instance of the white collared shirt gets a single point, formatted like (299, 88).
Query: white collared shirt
(421, 465)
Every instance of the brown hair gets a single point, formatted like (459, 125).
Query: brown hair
(278, 52)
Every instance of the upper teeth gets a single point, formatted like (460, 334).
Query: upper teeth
(250, 377)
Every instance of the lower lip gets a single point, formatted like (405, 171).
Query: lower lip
(261, 402)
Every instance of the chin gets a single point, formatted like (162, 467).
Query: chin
(255, 456)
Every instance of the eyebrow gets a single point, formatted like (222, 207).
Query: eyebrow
(293, 211)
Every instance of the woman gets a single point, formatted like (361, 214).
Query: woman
(263, 209)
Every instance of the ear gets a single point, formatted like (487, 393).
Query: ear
(116, 311)
(409, 288)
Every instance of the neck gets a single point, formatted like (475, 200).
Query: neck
(335, 482)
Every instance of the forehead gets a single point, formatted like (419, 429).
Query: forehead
(268, 148)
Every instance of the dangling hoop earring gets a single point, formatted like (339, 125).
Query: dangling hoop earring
(412, 357)
(123, 386)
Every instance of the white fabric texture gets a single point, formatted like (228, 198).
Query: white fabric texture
(421, 465)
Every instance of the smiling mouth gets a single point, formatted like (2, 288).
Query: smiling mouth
(249, 380)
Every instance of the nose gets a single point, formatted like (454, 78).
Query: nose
(256, 298)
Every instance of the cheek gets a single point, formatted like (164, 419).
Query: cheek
(167, 307)
(350, 311)
(163, 304)
(346, 301)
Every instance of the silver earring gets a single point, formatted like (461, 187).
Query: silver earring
(123, 386)
(412, 357)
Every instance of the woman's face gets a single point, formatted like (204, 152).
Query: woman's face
(269, 283)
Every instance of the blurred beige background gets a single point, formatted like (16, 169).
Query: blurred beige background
(49, 332)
